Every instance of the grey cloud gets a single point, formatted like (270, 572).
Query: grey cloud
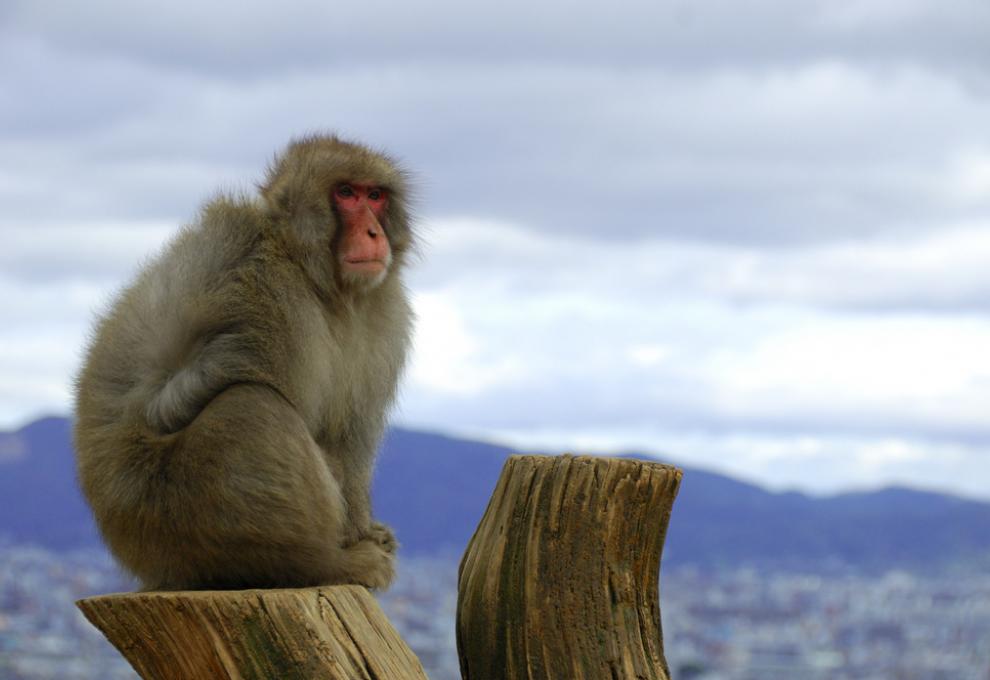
(574, 370)
(232, 38)
(42, 256)
(941, 272)
(568, 403)
(51, 92)
(699, 176)
(792, 157)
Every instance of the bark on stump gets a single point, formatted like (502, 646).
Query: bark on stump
(333, 632)
(560, 581)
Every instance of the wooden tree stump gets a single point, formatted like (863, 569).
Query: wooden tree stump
(560, 580)
(334, 632)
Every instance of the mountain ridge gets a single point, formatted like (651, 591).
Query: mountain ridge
(433, 489)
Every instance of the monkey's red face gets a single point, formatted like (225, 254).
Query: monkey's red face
(363, 251)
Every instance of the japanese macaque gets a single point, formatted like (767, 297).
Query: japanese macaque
(234, 396)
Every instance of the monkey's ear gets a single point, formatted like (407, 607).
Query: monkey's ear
(297, 202)
(295, 192)
(279, 192)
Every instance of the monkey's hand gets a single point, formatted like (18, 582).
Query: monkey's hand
(174, 406)
(383, 536)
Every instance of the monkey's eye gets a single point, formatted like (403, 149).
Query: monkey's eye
(345, 190)
(376, 195)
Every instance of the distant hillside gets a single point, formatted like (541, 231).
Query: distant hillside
(40, 501)
(433, 489)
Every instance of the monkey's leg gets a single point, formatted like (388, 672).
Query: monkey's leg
(257, 506)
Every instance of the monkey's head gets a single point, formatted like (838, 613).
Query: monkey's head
(341, 210)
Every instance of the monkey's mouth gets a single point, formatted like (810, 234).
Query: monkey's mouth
(370, 265)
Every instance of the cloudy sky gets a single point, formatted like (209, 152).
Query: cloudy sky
(753, 237)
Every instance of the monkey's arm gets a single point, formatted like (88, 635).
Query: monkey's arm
(357, 492)
(224, 360)
(360, 523)
(355, 473)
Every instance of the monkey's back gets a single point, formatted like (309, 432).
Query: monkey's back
(155, 323)
(200, 286)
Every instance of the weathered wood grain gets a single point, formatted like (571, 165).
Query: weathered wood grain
(335, 632)
(560, 580)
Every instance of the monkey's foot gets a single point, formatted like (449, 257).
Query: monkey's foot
(383, 536)
(370, 564)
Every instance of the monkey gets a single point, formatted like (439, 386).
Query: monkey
(232, 398)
